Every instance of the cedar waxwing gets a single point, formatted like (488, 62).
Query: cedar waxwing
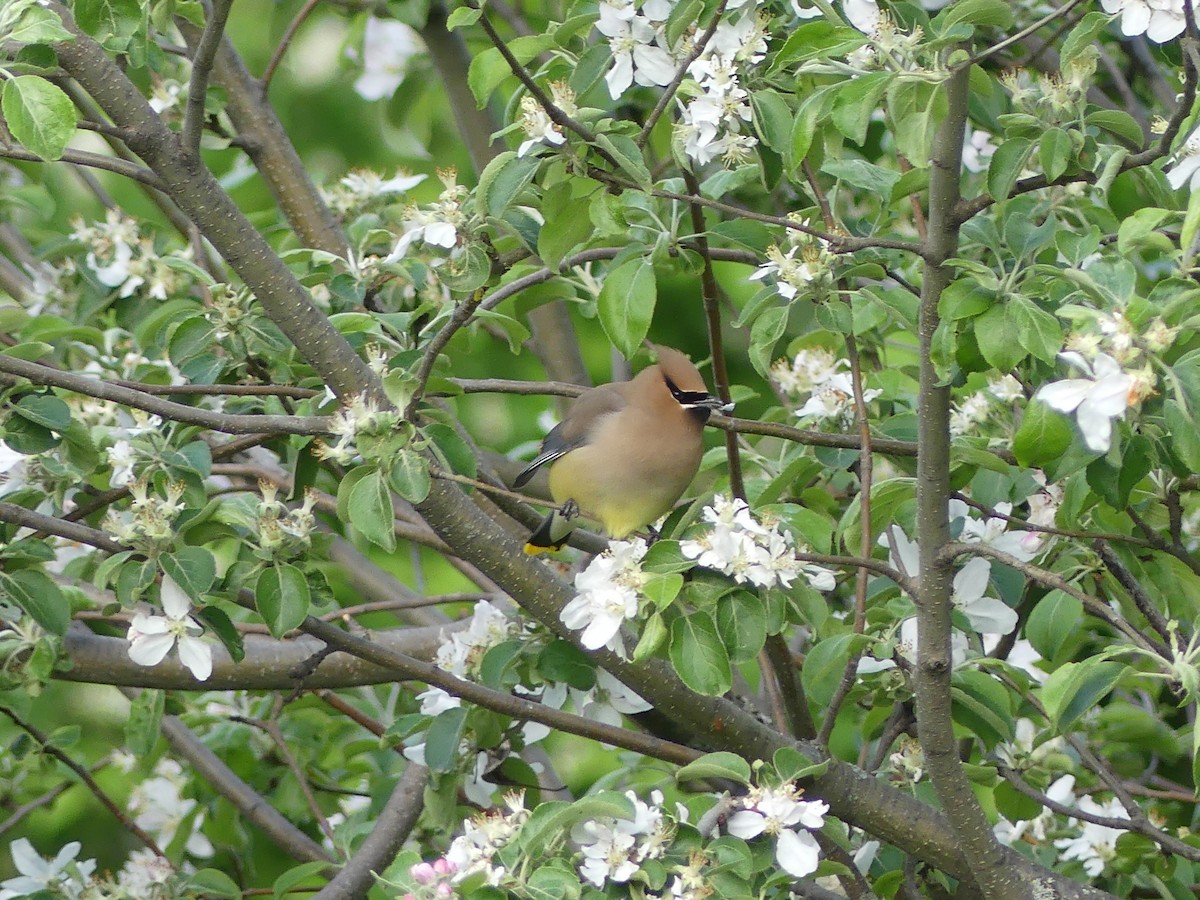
(626, 451)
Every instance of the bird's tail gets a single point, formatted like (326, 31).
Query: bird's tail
(552, 534)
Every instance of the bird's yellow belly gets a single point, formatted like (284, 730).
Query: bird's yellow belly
(620, 505)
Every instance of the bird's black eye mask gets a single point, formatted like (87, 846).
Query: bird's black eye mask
(688, 399)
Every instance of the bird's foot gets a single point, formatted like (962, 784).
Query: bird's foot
(569, 510)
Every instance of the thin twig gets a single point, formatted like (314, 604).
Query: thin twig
(105, 390)
(285, 42)
(462, 314)
(202, 63)
(680, 72)
(1019, 36)
(94, 160)
(47, 746)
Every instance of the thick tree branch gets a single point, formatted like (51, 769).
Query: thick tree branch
(935, 727)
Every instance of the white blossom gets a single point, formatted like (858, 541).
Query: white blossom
(862, 14)
(614, 848)
(121, 456)
(1096, 844)
(607, 700)
(62, 874)
(977, 151)
(607, 595)
(637, 47)
(749, 551)
(1036, 830)
(145, 874)
(388, 46)
(1096, 400)
(987, 615)
(779, 812)
(152, 637)
(159, 808)
(1185, 168)
(1159, 20)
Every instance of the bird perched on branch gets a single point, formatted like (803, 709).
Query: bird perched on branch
(624, 452)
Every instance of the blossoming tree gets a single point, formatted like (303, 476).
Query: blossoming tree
(925, 625)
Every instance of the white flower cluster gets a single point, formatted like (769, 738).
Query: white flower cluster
(739, 545)
(614, 849)
(147, 525)
(829, 380)
(607, 595)
(121, 258)
(713, 124)
(976, 407)
(145, 876)
(152, 637)
(483, 837)
(1185, 166)
(986, 615)
(461, 653)
(362, 187)
(782, 813)
(1036, 831)
(62, 876)
(806, 265)
(439, 224)
(638, 40)
(536, 122)
(283, 533)
(159, 808)
(359, 415)
(1096, 845)
(388, 47)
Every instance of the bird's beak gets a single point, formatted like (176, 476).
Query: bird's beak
(713, 404)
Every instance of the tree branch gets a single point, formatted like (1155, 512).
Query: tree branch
(202, 62)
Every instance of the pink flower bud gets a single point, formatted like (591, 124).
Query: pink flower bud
(443, 866)
(424, 873)
(444, 890)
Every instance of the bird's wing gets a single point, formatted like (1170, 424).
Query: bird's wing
(577, 428)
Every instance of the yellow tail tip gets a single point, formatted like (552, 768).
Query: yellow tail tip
(534, 550)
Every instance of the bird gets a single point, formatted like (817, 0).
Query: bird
(625, 451)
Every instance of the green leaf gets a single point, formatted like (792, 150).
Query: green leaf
(1043, 437)
(1117, 122)
(1184, 435)
(550, 821)
(699, 656)
(1006, 165)
(1054, 152)
(370, 509)
(998, 338)
(661, 589)
(1083, 35)
(824, 666)
(552, 882)
(463, 16)
(1074, 688)
(626, 305)
(192, 568)
(216, 619)
(282, 597)
(287, 883)
(409, 476)
(40, 597)
(145, 722)
(856, 102)
(39, 115)
(652, 639)
(862, 174)
(917, 109)
(502, 180)
(45, 410)
(212, 883)
(974, 12)
(628, 156)
(772, 119)
(765, 333)
(105, 19)
(742, 620)
(1052, 623)
(725, 765)
(34, 24)
(562, 661)
(443, 739)
(981, 704)
(1037, 330)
